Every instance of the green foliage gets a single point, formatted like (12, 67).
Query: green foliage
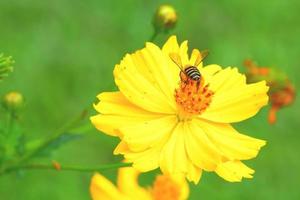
(5, 66)
(55, 144)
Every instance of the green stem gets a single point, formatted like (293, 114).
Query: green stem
(65, 167)
(10, 122)
(154, 35)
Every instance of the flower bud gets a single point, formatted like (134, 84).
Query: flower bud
(13, 101)
(165, 18)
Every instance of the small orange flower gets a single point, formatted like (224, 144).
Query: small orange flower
(282, 92)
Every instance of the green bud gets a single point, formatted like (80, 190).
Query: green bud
(13, 101)
(165, 18)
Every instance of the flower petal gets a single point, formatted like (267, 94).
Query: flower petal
(158, 63)
(209, 71)
(194, 173)
(234, 171)
(128, 184)
(171, 46)
(145, 79)
(183, 52)
(143, 143)
(117, 112)
(145, 135)
(200, 150)
(102, 189)
(234, 100)
(233, 145)
(173, 158)
(143, 161)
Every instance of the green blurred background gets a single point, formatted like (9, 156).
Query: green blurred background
(65, 52)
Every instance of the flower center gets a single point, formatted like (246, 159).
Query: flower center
(165, 188)
(192, 97)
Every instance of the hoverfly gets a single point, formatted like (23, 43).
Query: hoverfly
(190, 72)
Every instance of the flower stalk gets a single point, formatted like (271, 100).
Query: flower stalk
(42, 166)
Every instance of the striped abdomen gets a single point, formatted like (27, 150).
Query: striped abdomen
(193, 73)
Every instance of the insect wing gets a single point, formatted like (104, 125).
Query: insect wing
(201, 56)
(177, 60)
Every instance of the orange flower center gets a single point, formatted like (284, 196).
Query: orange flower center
(192, 97)
(165, 188)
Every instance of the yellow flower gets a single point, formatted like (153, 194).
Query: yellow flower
(180, 125)
(164, 187)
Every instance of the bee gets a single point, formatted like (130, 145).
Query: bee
(190, 72)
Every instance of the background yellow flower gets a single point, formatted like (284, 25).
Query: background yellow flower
(164, 187)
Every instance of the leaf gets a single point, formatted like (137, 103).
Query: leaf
(84, 128)
(5, 66)
(54, 145)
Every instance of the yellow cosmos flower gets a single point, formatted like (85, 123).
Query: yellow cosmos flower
(164, 187)
(179, 124)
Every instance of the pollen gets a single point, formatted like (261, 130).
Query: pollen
(193, 97)
(164, 188)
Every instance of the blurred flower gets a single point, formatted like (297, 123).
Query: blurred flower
(282, 92)
(13, 101)
(164, 187)
(165, 18)
(5, 66)
(179, 125)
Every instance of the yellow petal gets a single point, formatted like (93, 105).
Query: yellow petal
(117, 112)
(209, 71)
(143, 161)
(121, 148)
(183, 52)
(173, 158)
(158, 64)
(116, 103)
(233, 145)
(145, 80)
(171, 45)
(145, 135)
(142, 144)
(103, 189)
(194, 57)
(200, 149)
(234, 100)
(234, 171)
(194, 173)
(128, 184)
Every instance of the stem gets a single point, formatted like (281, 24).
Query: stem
(65, 167)
(10, 122)
(154, 35)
